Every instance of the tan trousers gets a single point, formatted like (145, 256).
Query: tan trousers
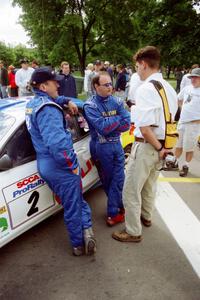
(140, 186)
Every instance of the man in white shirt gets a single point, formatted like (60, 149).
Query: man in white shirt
(186, 79)
(22, 78)
(135, 82)
(148, 150)
(189, 122)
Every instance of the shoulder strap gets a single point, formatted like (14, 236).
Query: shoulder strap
(163, 96)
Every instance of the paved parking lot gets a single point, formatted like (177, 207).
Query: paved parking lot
(164, 265)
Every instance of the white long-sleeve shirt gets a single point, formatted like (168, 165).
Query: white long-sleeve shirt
(22, 79)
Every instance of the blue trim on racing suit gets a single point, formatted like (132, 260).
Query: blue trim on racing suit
(107, 118)
(56, 160)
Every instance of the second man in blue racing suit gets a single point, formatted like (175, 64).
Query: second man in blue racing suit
(107, 118)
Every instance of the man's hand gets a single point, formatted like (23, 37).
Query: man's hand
(76, 171)
(73, 108)
(163, 153)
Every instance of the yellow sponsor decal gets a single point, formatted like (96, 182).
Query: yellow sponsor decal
(2, 210)
(109, 113)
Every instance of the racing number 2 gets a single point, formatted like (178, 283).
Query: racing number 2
(33, 200)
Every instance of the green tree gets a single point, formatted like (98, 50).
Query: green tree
(81, 30)
(6, 54)
(61, 28)
(173, 26)
(20, 51)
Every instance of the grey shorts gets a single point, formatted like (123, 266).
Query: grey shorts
(188, 136)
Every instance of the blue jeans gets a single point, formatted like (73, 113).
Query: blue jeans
(4, 93)
(67, 186)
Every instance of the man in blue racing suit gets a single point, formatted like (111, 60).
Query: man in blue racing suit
(56, 160)
(107, 118)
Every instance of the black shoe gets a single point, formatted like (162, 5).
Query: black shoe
(184, 171)
(171, 166)
(145, 222)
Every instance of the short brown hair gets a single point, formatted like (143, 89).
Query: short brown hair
(149, 54)
(96, 78)
(120, 66)
(195, 66)
(64, 63)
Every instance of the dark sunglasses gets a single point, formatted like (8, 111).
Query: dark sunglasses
(106, 84)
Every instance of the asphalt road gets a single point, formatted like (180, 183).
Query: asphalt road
(39, 264)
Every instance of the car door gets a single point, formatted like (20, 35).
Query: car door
(81, 139)
(25, 198)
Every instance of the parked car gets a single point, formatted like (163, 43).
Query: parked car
(25, 198)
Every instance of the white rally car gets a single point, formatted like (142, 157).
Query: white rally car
(25, 198)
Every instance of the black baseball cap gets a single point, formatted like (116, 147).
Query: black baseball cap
(24, 61)
(44, 74)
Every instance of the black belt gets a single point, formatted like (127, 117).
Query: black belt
(141, 140)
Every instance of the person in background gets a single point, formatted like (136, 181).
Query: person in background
(178, 76)
(67, 84)
(108, 69)
(22, 78)
(35, 64)
(107, 118)
(13, 89)
(97, 68)
(185, 79)
(3, 80)
(120, 85)
(135, 82)
(189, 122)
(56, 159)
(142, 170)
(88, 71)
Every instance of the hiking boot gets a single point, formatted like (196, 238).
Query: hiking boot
(145, 222)
(123, 236)
(78, 251)
(171, 166)
(184, 171)
(90, 241)
(111, 221)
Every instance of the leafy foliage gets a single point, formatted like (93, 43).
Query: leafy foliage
(82, 30)
(12, 55)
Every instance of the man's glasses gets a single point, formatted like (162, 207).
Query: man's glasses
(106, 84)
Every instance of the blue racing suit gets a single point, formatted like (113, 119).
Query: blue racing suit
(107, 118)
(56, 160)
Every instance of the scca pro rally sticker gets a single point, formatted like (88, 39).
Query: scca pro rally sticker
(25, 185)
(27, 198)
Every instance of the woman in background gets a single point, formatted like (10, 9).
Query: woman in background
(13, 89)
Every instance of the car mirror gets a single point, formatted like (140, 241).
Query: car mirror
(5, 162)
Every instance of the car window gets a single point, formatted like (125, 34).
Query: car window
(6, 122)
(20, 148)
(77, 125)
